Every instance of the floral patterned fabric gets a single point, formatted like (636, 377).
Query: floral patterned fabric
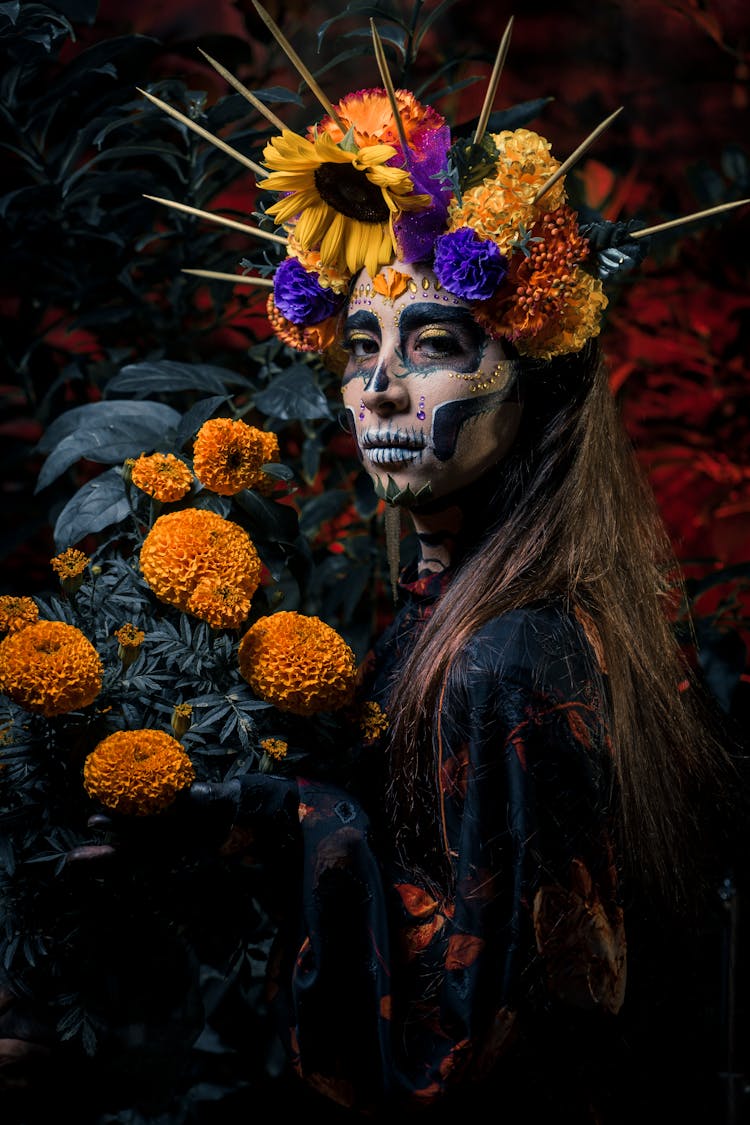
(391, 995)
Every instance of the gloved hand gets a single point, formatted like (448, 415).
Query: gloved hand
(256, 814)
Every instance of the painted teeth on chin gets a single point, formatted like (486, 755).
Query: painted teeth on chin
(394, 453)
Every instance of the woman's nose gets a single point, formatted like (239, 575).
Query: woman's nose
(385, 394)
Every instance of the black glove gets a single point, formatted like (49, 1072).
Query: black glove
(615, 248)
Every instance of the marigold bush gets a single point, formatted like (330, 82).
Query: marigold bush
(298, 663)
(137, 772)
(50, 668)
(203, 564)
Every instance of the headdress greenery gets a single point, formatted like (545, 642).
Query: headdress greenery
(382, 179)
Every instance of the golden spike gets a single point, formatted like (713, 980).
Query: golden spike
(297, 62)
(574, 156)
(497, 70)
(385, 74)
(687, 219)
(212, 218)
(237, 278)
(247, 94)
(217, 141)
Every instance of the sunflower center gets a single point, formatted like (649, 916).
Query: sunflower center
(350, 193)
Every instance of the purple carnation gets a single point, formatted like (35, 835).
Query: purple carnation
(468, 266)
(298, 296)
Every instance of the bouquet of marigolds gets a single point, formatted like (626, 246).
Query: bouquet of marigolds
(179, 648)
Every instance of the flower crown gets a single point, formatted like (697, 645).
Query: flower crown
(379, 181)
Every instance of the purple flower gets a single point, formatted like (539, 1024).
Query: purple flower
(468, 266)
(298, 296)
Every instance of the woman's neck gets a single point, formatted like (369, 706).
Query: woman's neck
(446, 529)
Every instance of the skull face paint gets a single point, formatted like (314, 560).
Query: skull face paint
(427, 392)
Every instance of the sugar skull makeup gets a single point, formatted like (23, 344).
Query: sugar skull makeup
(429, 397)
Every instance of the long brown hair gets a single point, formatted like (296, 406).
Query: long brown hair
(574, 517)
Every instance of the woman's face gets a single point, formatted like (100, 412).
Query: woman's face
(427, 393)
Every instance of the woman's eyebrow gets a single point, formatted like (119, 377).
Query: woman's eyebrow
(428, 312)
(362, 319)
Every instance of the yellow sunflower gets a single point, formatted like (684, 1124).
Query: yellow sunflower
(342, 203)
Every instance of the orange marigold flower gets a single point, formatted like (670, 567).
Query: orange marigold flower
(372, 721)
(182, 714)
(298, 663)
(185, 548)
(219, 603)
(227, 455)
(276, 748)
(369, 114)
(137, 772)
(579, 320)
(130, 640)
(161, 475)
(16, 613)
(50, 668)
(314, 338)
(69, 567)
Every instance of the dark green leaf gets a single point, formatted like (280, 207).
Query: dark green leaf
(322, 508)
(162, 376)
(194, 418)
(271, 520)
(294, 394)
(97, 505)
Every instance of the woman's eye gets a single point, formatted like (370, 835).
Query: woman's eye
(360, 346)
(437, 342)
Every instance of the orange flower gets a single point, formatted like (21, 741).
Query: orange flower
(185, 549)
(276, 748)
(69, 567)
(137, 772)
(396, 284)
(16, 613)
(130, 640)
(227, 455)
(219, 603)
(369, 114)
(161, 475)
(298, 663)
(50, 668)
(314, 338)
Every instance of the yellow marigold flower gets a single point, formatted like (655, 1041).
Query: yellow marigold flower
(276, 748)
(130, 640)
(161, 475)
(372, 721)
(227, 455)
(50, 668)
(314, 338)
(137, 772)
(16, 613)
(185, 548)
(342, 203)
(182, 715)
(69, 567)
(219, 603)
(298, 663)
(503, 203)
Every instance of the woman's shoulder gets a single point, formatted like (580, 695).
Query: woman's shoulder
(546, 643)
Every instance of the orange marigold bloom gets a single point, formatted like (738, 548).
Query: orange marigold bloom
(369, 114)
(227, 455)
(298, 663)
(372, 721)
(50, 668)
(130, 640)
(579, 320)
(276, 748)
(69, 567)
(183, 549)
(16, 613)
(182, 715)
(314, 338)
(138, 772)
(161, 475)
(219, 603)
